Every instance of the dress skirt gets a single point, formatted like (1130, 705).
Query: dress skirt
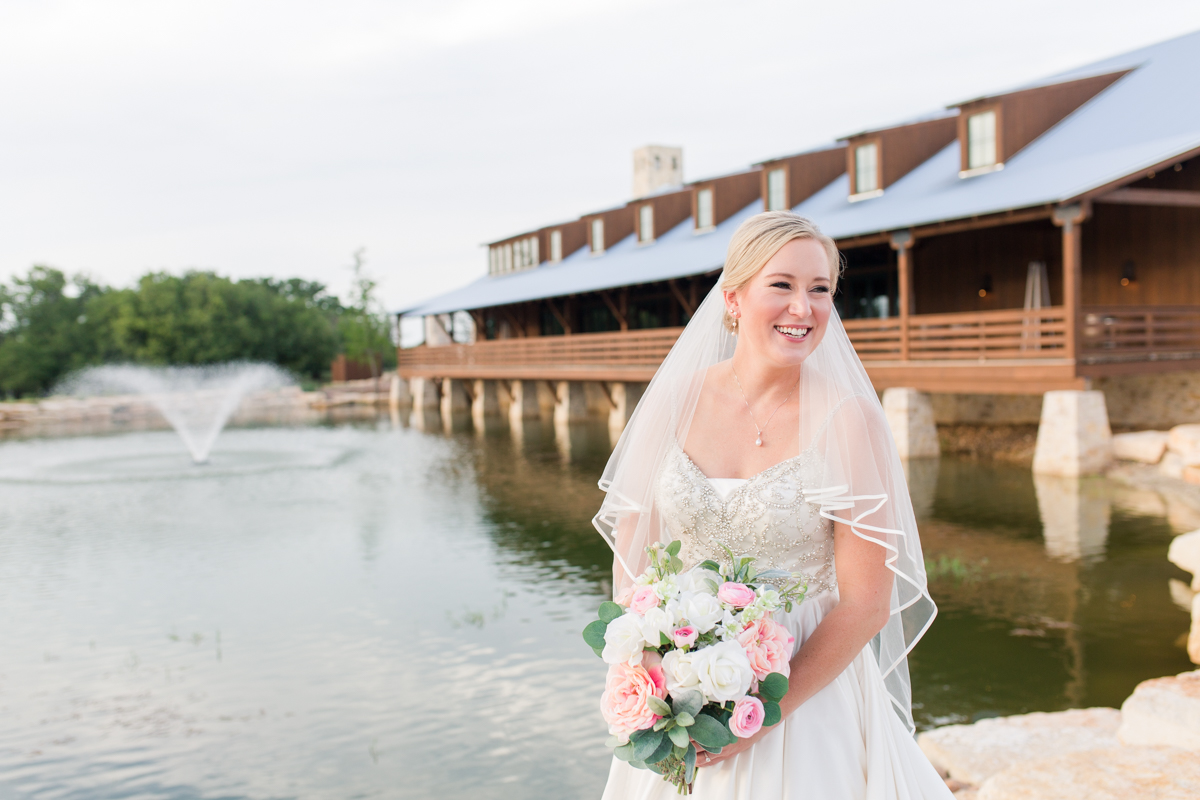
(845, 743)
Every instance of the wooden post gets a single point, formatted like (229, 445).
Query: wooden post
(1070, 219)
(902, 243)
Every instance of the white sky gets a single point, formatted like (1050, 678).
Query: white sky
(275, 138)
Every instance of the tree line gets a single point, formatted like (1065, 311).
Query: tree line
(51, 325)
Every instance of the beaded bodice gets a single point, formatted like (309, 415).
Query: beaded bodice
(766, 517)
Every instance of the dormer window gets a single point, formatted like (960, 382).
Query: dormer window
(866, 168)
(597, 236)
(556, 246)
(981, 140)
(646, 223)
(777, 190)
(704, 209)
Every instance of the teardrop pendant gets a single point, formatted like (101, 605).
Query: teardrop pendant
(758, 442)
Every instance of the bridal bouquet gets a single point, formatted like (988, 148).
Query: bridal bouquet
(694, 658)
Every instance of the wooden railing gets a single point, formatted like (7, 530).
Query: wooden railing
(636, 354)
(1106, 334)
(1139, 333)
(978, 336)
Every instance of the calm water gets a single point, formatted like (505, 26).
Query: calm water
(380, 612)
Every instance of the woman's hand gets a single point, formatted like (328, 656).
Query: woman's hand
(706, 759)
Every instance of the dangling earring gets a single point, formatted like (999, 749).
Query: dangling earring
(734, 314)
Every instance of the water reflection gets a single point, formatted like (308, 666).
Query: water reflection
(339, 588)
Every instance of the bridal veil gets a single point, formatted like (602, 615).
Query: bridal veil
(862, 485)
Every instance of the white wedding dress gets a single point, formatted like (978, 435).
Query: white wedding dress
(846, 742)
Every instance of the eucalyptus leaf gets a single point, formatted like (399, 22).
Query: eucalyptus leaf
(662, 723)
(638, 764)
(679, 736)
(684, 719)
(674, 547)
(773, 687)
(658, 706)
(647, 744)
(610, 611)
(687, 702)
(624, 752)
(709, 733)
(676, 565)
(599, 651)
(772, 714)
(593, 634)
(709, 565)
(665, 746)
(612, 741)
(689, 764)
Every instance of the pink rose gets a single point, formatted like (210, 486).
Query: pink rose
(622, 599)
(685, 636)
(643, 600)
(623, 704)
(652, 663)
(747, 717)
(738, 595)
(768, 645)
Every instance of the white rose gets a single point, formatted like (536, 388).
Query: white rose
(723, 670)
(703, 611)
(667, 588)
(623, 641)
(677, 666)
(696, 581)
(655, 621)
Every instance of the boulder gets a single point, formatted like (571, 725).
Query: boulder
(973, 753)
(1115, 773)
(1144, 446)
(1193, 642)
(1184, 440)
(1184, 553)
(1171, 465)
(1164, 711)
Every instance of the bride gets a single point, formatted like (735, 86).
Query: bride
(762, 432)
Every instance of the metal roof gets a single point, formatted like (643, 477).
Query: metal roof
(1146, 118)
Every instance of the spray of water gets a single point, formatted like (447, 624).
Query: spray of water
(196, 401)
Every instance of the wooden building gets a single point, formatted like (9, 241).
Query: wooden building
(1010, 244)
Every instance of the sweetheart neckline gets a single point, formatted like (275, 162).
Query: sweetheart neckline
(749, 480)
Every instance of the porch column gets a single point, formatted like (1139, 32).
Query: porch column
(524, 401)
(486, 404)
(1070, 219)
(398, 393)
(571, 402)
(455, 398)
(625, 397)
(424, 392)
(902, 243)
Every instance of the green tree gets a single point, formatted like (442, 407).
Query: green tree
(365, 326)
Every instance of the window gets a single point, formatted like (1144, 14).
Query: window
(866, 168)
(646, 223)
(598, 235)
(981, 140)
(556, 246)
(776, 190)
(533, 251)
(507, 265)
(704, 209)
(493, 260)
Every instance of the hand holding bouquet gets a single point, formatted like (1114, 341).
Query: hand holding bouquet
(694, 658)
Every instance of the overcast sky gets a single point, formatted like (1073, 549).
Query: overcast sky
(275, 138)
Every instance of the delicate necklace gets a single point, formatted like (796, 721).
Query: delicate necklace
(758, 441)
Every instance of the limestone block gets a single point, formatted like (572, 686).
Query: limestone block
(1112, 773)
(1164, 711)
(1193, 642)
(1182, 594)
(1073, 437)
(1171, 465)
(1144, 446)
(1184, 553)
(456, 401)
(625, 398)
(974, 753)
(910, 416)
(1185, 440)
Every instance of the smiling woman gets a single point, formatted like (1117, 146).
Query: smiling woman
(761, 435)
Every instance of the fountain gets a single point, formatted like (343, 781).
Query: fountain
(196, 401)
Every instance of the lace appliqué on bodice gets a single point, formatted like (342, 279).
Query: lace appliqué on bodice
(767, 517)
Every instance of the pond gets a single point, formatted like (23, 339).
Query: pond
(376, 611)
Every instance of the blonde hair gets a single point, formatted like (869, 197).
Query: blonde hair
(759, 238)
